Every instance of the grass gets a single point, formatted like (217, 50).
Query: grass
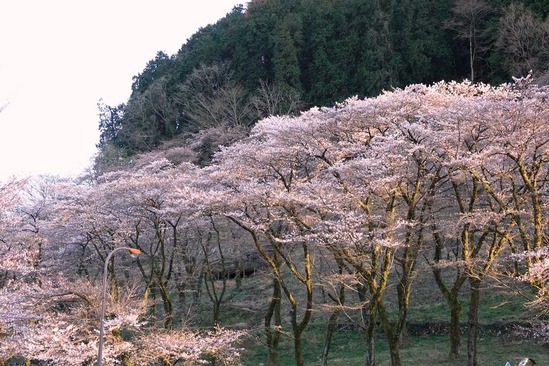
(498, 306)
(494, 306)
(347, 350)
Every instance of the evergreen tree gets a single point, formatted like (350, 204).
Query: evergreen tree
(155, 69)
(321, 52)
(287, 43)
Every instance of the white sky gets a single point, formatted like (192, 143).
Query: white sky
(59, 57)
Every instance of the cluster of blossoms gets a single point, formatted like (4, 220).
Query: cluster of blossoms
(455, 168)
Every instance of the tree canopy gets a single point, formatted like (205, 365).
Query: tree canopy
(326, 51)
(312, 143)
(350, 201)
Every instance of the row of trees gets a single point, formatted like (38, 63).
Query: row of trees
(316, 53)
(454, 169)
(344, 201)
(55, 237)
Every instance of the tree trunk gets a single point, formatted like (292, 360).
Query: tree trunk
(394, 351)
(238, 275)
(299, 327)
(369, 316)
(473, 321)
(332, 321)
(216, 297)
(181, 304)
(216, 313)
(451, 296)
(370, 340)
(150, 299)
(332, 324)
(404, 287)
(471, 55)
(273, 332)
(298, 350)
(392, 332)
(167, 304)
(454, 331)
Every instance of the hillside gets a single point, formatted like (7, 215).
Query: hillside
(278, 57)
(357, 232)
(390, 217)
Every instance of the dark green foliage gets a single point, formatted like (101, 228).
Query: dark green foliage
(424, 50)
(149, 118)
(215, 43)
(110, 123)
(540, 7)
(323, 51)
(154, 70)
(287, 43)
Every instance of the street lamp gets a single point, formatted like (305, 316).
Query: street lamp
(131, 251)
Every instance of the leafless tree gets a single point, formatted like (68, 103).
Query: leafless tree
(210, 98)
(275, 101)
(468, 23)
(524, 39)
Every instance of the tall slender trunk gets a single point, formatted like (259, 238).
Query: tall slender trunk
(471, 54)
(392, 332)
(451, 296)
(273, 331)
(454, 331)
(369, 313)
(167, 304)
(473, 321)
(332, 321)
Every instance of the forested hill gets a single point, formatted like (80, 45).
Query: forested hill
(271, 57)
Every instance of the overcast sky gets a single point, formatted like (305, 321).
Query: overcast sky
(59, 57)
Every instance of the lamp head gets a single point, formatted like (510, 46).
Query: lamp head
(134, 252)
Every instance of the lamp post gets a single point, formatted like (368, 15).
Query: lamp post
(131, 251)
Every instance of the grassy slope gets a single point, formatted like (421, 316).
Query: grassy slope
(429, 350)
(499, 306)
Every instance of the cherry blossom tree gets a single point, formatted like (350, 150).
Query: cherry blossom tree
(351, 195)
(267, 233)
(323, 200)
(48, 311)
(50, 306)
(493, 167)
(376, 174)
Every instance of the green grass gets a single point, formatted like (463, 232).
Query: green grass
(348, 350)
(498, 306)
